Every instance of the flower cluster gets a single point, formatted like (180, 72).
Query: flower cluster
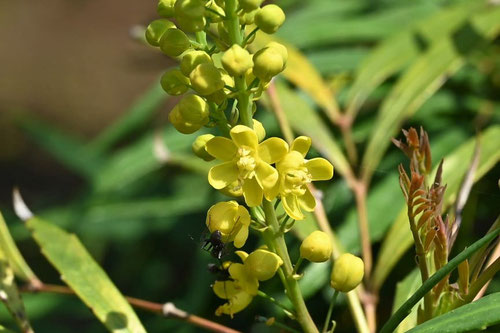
(220, 77)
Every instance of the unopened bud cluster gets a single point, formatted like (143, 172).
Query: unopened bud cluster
(211, 39)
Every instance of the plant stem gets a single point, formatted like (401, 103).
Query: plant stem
(167, 310)
(360, 195)
(405, 309)
(273, 300)
(292, 286)
(330, 310)
(297, 265)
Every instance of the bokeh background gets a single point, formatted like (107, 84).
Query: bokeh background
(79, 109)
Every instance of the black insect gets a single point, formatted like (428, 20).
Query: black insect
(215, 245)
(220, 273)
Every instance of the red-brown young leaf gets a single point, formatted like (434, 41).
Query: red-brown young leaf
(404, 148)
(425, 150)
(429, 238)
(412, 138)
(420, 209)
(424, 218)
(420, 200)
(420, 193)
(416, 183)
(439, 174)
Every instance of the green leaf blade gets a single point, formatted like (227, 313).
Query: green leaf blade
(79, 270)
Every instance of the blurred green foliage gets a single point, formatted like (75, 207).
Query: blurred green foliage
(141, 205)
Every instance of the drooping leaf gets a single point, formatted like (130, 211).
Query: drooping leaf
(399, 239)
(397, 51)
(9, 295)
(139, 159)
(302, 73)
(138, 115)
(477, 315)
(82, 274)
(424, 77)
(12, 254)
(304, 120)
(67, 149)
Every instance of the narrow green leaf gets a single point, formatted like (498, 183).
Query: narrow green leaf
(67, 149)
(9, 295)
(478, 315)
(79, 270)
(405, 309)
(16, 260)
(423, 78)
(138, 115)
(306, 121)
(399, 239)
(404, 290)
(139, 159)
(397, 51)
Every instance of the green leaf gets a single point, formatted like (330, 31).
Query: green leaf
(423, 78)
(306, 121)
(404, 290)
(82, 274)
(316, 276)
(397, 51)
(405, 309)
(352, 29)
(478, 315)
(399, 238)
(9, 295)
(302, 73)
(138, 115)
(133, 162)
(16, 260)
(68, 150)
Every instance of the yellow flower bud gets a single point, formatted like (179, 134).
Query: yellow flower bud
(206, 79)
(236, 60)
(189, 9)
(281, 49)
(267, 63)
(248, 18)
(181, 124)
(193, 58)
(269, 18)
(262, 264)
(174, 42)
(259, 129)
(174, 83)
(198, 147)
(249, 5)
(214, 17)
(156, 29)
(317, 247)
(191, 24)
(347, 273)
(194, 109)
(166, 8)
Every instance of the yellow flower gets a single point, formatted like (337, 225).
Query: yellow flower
(239, 291)
(262, 264)
(295, 174)
(246, 161)
(231, 219)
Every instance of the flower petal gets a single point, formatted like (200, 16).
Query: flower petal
(243, 280)
(302, 145)
(225, 289)
(241, 237)
(266, 175)
(307, 201)
(272, 150)
(244, 215)
(221, 148)
(236, 304)
(222, 175)
(292, 160)
(320, 169)
(244, 136)
(252, 192)
(221, 217)
(292, 208)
